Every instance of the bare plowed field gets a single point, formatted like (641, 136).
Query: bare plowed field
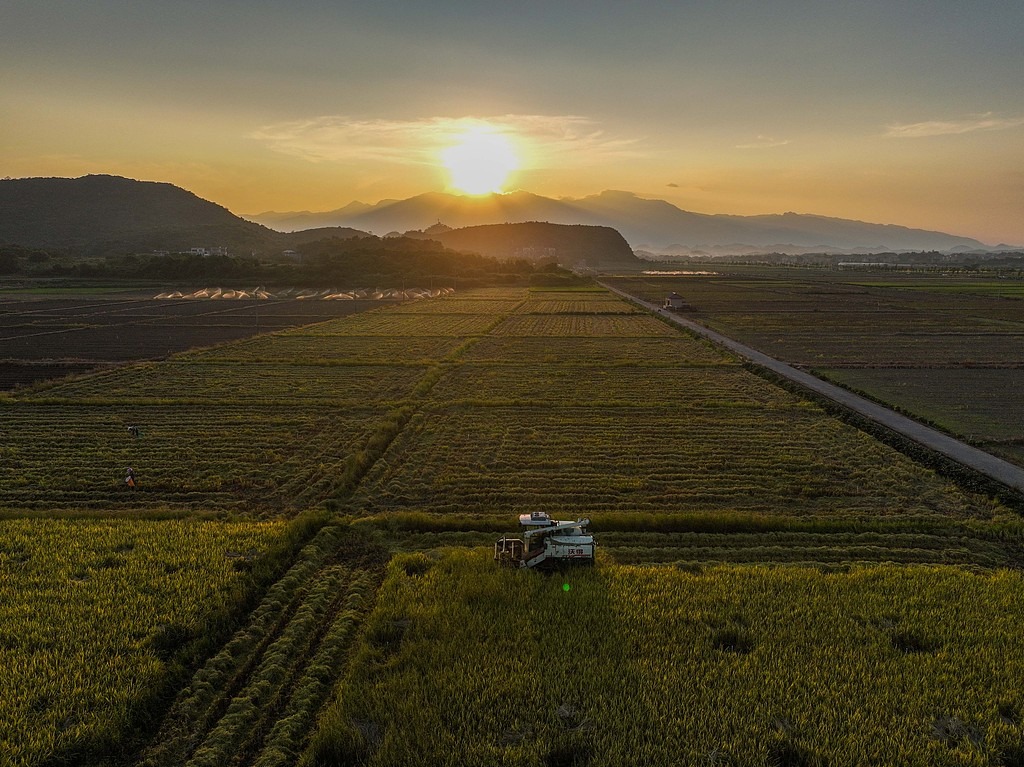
(54, 333)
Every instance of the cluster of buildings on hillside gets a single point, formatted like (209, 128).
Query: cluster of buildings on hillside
(218, 251)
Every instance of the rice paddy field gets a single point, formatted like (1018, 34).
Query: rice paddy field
(304, 576)
(947, 349)
(465, 664)
(91, 613)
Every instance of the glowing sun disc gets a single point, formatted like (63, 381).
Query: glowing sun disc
(481, 162)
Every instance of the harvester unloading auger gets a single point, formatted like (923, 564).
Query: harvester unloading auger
(546, 542)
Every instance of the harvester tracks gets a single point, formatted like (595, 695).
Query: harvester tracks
(226, 715)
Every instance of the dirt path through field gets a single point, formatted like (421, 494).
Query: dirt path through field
(996, 468)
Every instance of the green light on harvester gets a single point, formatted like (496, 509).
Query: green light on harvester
(566, 587)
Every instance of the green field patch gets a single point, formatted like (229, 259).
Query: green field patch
(981, 404)
(234, 383)
(575, 461)
(547, 351)
(716, 386)
(466, 663)
(92, 614)
(624, 326)
(246, 458)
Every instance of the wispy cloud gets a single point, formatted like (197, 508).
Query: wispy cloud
(544, 140)
(983, 122)
(763, 142)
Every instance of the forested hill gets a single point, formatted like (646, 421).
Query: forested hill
(569, 245)
(109, 215)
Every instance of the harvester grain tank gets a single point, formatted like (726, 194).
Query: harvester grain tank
(546, 542)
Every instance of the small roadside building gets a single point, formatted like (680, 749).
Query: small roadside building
(675, 302)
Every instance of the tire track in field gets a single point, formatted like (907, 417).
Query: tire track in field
(984, 463)
(274, 667)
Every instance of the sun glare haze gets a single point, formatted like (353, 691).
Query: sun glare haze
(480, 162)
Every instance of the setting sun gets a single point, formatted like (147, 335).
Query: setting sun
(481, 161)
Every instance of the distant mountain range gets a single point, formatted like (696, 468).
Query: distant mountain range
(104, 215)
(110, 215)
(653, 225)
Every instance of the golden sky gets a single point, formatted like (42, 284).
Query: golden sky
(905, 113)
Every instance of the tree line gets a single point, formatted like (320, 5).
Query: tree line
(334, 261)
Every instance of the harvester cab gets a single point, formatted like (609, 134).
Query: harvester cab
(546, 542)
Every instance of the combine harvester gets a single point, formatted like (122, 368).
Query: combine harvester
(546, 543)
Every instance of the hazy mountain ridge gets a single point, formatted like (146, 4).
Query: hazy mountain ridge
(110, 215)
(654, 224)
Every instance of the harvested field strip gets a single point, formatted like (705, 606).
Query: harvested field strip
(575, 461)
(787, 665)
(193, 381)
(92, 615)
(457, 304)
(547, 351)
(265, 438)
(604, 305)
(624, 326)
(399, 324)
(74, 456)
(254, 702)
(720, 386)
(269, 679)
(320, 349)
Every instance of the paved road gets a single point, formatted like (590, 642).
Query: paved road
(995, 468)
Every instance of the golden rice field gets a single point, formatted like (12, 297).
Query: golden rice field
(463, 663)
(93, 613)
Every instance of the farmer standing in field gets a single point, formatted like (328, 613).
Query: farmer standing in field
(129, 478)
